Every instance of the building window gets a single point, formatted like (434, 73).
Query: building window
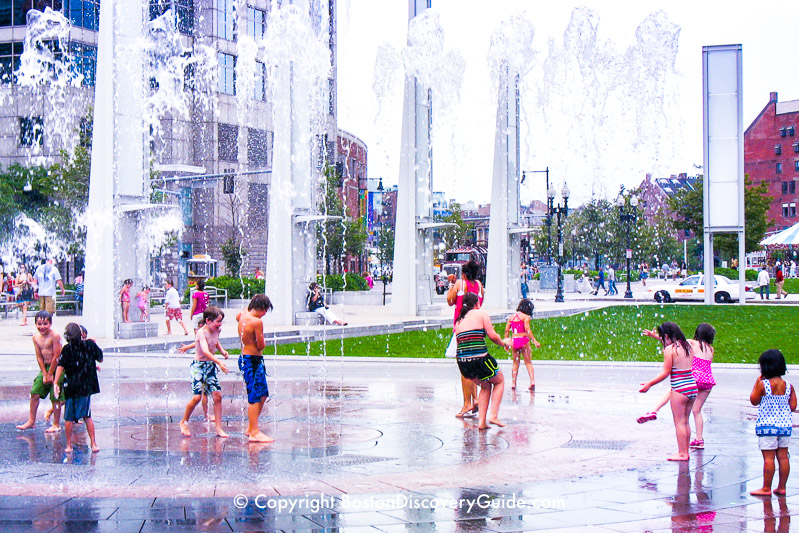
(779, 168)
(9, 60)
(256, 23)
(84, 57)
(182, 10)
(259, 85)
(785, 210)
(85, 132)
(796, 165)
(790, 130)
(228, 142)
(258, 147)
(84, 13)
(258, 206)
(792, 187)
(227, 73)
(202, 202)
(778, 149)
(795, 147)
(784, 187)
(783, 132)
(31, 131)
(225, 20)
(789, 210)
(14, 12)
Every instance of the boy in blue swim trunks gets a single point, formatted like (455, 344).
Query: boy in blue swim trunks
(251, 362)
(203, 370)
(47, 345)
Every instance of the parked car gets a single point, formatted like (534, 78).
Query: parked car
(693, 288)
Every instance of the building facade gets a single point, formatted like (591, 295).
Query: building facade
(771, 155)
(215, 160)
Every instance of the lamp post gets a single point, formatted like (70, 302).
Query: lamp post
(564, 211)
(574, 235)
(627, 216)
(549, 210)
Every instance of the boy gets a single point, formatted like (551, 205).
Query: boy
(251, 362)
(47, 344)
(203, 369)
(173, 311)
(78, 362)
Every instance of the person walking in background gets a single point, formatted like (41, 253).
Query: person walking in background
(524, 278)
(24, 287)
(763, 280)
(779, 281)
(793, 269)
(600, 282)
(611, 282)
(199, 303)
(173, 310)
(45, 279)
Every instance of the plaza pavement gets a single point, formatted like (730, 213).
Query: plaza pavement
(371, 444)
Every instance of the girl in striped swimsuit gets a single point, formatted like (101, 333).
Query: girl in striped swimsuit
(474, 361)
(677, 359)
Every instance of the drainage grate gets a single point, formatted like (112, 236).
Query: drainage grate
(350, 460)
(598, 444)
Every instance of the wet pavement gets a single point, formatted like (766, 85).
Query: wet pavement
(373, 445)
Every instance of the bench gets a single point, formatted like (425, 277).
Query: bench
(308, 318)
(214, 293)
(158, 296)
(69, 299)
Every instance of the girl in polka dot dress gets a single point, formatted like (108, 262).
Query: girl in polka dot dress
(776, 400)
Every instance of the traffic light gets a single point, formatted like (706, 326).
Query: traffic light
(229, 184)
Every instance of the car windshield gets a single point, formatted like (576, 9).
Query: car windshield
(693, 280)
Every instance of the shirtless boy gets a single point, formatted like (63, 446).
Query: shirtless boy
(47, 344)
(203, 370)
(251, 362)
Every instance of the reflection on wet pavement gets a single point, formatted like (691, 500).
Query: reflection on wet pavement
(375, 446)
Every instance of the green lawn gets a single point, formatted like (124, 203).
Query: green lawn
(609, 334)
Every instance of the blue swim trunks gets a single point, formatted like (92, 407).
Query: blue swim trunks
(204, 378)
(252, 368)
(78, 408)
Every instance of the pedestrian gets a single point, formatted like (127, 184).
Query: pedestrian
(124, 299)
(677, 362)
(644, 273)
(468, 284)
(763, 281)
(775, 399)
(47, 346)
(611, 282)
(522, 336)
(173, 310)
(524, 278)
(78, 366)
(779, 281)
(251, 363)
(45, 280)
(674, 270)
(80, 287)
(684, 270)
(793, 269)
(259, 274)
(24, 288)
(370, 282)
(600, 282)
(474, 361)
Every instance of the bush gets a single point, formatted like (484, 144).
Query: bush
(751, 275)
(238, 288)
(335, 282)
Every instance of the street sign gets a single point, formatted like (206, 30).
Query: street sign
(629, 253)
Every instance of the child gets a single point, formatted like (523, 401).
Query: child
(520, 343)
(677, 357)
(775, 399)
(199, 303)
(124, 299)
(251, 362)
(173, 311)
(143, 303)
(47, 345)
(203, 369)
(78, 364)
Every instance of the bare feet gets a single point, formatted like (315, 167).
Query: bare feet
(779, 492)
(513, 387)
(482, 428)
(184, 429)
(221, 434)
(48, 414)
(678, 457)
(496, 422)
(532, 387)
(761, 492)
(211, 418)
(68, 449)
(53, 429)
(463, 412)
(260, 437)
(95, 449)
(27, 425)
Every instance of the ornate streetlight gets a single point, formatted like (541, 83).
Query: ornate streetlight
(565, 212)
(628, 214)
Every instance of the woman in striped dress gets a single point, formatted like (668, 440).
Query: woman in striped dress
(474, 361)
(677, 359)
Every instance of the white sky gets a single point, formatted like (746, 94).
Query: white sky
(463, 159)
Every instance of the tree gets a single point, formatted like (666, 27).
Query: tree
(341, 235)
(454, 235)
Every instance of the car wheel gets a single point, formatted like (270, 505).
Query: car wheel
(723, 298)
(666, 297)
(659, 297)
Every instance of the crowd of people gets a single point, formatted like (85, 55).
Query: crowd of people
(24, 286)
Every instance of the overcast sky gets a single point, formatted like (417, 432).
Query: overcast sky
(595, 125)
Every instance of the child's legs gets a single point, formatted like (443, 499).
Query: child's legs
(497, 389)
(253, 413)
(785, 468)
(205, 404)
(469, 392)
(90, 430)
(515, 370)
(482, 402)
(699, 421)
(680, 409)
(528, 362)
(190, 407)
(217, 396)
(34, 408)
(663, 401)
(168, 327)
(68, 431)
(768, 467)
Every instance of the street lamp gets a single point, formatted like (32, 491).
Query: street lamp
(574, 235)
(627, 216)
(565, 212)
(549, 209)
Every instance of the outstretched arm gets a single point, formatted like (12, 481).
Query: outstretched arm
(664, 373)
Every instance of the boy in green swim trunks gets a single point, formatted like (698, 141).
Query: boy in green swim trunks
(47, 344)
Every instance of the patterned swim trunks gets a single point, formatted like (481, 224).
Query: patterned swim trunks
(252, 368)
(203, 377)
(174, 313)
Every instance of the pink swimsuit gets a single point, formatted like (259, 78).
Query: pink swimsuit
(471, 286)
(703, 375)
(517, 326)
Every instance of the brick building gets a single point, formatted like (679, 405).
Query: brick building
(771, 154)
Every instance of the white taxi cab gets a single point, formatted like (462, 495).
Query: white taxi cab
(693, 288)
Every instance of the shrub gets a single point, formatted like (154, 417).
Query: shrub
(335, 282)
(238, 288)
(751, 275)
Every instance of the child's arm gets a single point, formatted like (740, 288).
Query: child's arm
(792, 400)
(39, 359)
(530, 332)
(58, 374)
(186, 347)
(56, 353)
(492, 333)
(260, 342)
(664, 373)
(651, 333)
(757, 392)
(224, 352)
(507, 329)
(202, 346)
(193, 306)
(452, 293)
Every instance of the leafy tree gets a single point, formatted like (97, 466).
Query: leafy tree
(233, 254)
(385, 245)
(454, 235)
(340, 236)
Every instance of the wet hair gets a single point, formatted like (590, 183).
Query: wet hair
(43, 315)
(200, 285)
(526, 306)
(169, 281)
(260, 302)
(72, 333)
(705, 333)
(671, 331)
(83, 331)
(470, 270)
(127, 282)
(772, 364)
(470, 301)
(212, 313)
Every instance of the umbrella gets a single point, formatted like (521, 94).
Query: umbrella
(784, 239)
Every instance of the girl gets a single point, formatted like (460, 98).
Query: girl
(474, 361)
(677, 358)
(467, 284)
(143, 303)
(24, 287)
(775, 399)
(522, 337)
(124, 299)
(702, 347)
